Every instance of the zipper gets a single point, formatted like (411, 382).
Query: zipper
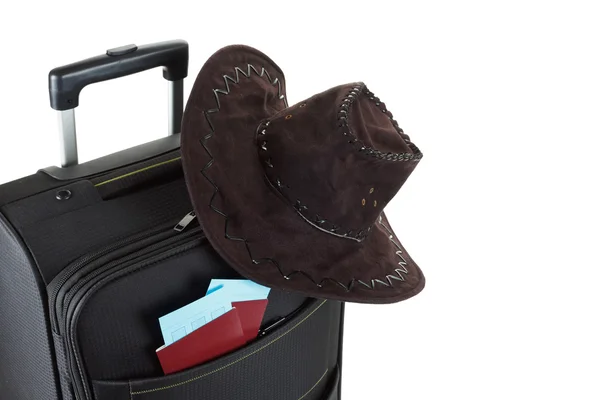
(281, 320)
(66, 274)
(133, 255)
(180, 227)
(107, 274)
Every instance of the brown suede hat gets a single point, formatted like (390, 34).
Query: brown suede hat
(293, 197)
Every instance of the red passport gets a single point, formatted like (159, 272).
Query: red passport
(251, 315)
(212, 340)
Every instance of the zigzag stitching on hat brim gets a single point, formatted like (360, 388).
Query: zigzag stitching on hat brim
(226, 79)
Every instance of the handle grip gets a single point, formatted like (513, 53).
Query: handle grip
(66, 82)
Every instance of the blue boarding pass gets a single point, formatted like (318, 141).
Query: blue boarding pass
(221, 293)
(239, 289)
(185, 320)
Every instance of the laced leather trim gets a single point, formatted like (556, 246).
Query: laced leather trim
(343, 126)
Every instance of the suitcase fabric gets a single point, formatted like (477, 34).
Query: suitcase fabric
(89, 263)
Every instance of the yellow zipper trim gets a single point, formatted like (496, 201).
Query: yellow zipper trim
(137, 172)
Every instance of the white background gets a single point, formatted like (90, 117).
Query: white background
(502, 213)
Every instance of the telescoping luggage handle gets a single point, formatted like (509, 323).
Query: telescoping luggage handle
(66, 82)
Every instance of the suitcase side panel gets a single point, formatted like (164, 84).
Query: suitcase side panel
(27, 368)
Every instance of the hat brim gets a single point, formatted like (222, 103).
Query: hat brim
(256, 231)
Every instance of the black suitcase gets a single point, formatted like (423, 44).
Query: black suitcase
(92, 254)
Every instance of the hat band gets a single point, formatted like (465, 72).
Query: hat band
(313, 218)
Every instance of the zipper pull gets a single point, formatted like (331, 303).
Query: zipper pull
(272, 326)
(180, 227)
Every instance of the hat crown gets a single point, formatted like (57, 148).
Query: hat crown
(338, 158)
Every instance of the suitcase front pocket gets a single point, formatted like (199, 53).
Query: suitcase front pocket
(296, 361)
(107, 311)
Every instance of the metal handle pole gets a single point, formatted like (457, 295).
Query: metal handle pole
(67, 138)
(175, 106)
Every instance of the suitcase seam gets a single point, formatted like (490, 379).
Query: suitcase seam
(132, 393)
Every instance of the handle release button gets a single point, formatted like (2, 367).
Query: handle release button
(119, 51)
